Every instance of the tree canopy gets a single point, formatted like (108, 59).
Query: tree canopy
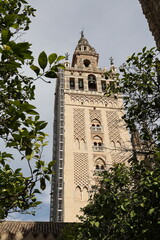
(20, 125)
(126, 202)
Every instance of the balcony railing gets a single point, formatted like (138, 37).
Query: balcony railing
(96, 129)
(98, 148)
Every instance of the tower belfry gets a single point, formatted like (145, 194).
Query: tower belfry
(89, 134)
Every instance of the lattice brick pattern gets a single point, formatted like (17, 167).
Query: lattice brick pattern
(95, 114)
(79, 123)
(120, 157)
(81, 177)
(113, 126)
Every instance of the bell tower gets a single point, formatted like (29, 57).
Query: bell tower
(89, 134)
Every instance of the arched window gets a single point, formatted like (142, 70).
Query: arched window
(85, 194)
(77, 144)
(97, 144)
(99, 164)
(86, 62)
(118, 146)
(96, 126)
(82, 144)
(78, 193)
(113, 146)
(92, 85)
(97, 167)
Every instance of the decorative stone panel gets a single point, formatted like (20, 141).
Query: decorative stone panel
(79, 124)
(95, 114)
(118, 152)
(81, 177)
(113, 126)
(91, 100)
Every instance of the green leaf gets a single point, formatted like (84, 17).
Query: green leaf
(97, 224)
(10, 19)
(35, 69)
(43, 125)
(47, 177)
(151, 211)
(15, 26)
(60, 58)
(51, 74)
(60, 66)
(28, 151)
(52, 58)
(42, 183)
(5, 35)
(37, 191)
(122, 207)
(132, 214)
(42, 60)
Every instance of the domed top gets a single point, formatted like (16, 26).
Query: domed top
(84, 55)
(83, 45)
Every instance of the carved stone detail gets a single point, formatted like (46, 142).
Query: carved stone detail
(95, 114)
(81, 177)
(79, 124)
(100, 100)
(113, 126)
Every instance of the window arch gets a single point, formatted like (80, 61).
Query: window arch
(85, 194)
(92, 85)
(77, 144)
(78, 193)
(97, 143)
(99, 164)
(87, 62)
(82, 144)
(118, 145)
(113, 146)
(96, 126)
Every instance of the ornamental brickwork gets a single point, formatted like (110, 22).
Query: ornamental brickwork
(88, 131)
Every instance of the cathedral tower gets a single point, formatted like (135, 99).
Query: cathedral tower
(89, 134)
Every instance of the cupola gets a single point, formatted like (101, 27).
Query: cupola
(84, 55)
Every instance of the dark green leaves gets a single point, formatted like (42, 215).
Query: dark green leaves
(5, 35)
(42, 60)
(60, 58)
(42, 183)
(52, 58)
(20, 124)
(51, 74)
(35, 69)
(10, 19)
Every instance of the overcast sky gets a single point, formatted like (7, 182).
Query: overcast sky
(114, 28)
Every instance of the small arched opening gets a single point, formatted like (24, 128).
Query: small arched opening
(92, 85)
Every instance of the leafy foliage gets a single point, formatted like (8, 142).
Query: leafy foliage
(126, 202)
(69, 232)
(20, 124)
(140, 87)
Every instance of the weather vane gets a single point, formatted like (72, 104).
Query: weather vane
(67, 56)
(82, 34)
(111, 60)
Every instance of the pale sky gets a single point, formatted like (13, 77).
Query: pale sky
(114, 28)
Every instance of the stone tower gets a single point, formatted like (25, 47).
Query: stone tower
(89, 134)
